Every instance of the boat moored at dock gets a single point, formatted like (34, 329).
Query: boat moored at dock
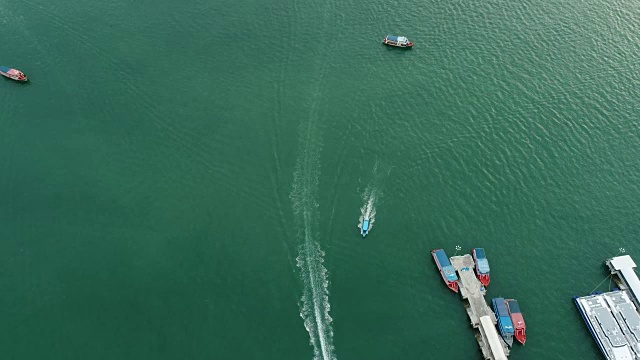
(482, 266)
(447, 270)
(504, 320)
(11, 73)
(397, 41)
(519, 326)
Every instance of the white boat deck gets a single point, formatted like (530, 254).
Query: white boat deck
(614, 322)
(473, 292)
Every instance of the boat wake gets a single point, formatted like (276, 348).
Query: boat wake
(368, 210)
(315, 301)
(314, 307)
(371, 196)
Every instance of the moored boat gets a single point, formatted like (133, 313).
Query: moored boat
(11, 73)
(504, 320)
(519, 326)
(397, 41)
(447, 270)
(482, 266)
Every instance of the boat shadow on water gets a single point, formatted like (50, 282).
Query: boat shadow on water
(398, 50)
(17, 83)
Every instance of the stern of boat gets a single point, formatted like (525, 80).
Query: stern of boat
(484, 279)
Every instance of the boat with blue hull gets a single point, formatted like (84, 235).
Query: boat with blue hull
(482, 266)
(504, 320)
(447, 270)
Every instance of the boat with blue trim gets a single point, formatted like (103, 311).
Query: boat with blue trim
(397, 41)
(366, 226)
(447, 270)
(12, 73)
(504, 320)
(482, 266)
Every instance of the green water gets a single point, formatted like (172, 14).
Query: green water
(183, 180)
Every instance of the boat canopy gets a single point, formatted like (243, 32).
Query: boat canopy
(500, 307)
(5, 69)
(514, 308)
(483, 266)
(398, 39)
(480, 253)
(365, 225)
(442, 258)
(450, 273)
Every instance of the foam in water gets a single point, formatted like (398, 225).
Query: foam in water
(315, 301)
(368, 210)
(370, 197)
(314, 308)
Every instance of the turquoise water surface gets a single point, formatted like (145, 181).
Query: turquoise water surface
(183, 180)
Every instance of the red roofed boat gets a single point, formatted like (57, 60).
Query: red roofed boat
(518, 321)
(11, 73)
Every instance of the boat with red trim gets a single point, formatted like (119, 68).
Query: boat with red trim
(447, 270)
(397, 41)
(12, 73)
(519, 326)
(482, 266)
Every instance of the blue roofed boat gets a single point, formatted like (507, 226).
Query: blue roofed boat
(364, 230)
(397, 41)
(447, 270)
(482, 266)
(504, 320)
(11, 73)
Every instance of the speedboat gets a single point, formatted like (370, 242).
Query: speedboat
(366, 226)
(397, 41)
(12, 73)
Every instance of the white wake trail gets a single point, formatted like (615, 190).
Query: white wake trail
(368, 210)
(315, 298)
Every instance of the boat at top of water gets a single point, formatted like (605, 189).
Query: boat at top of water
(504, 320)
(366, 226)
(397, 41)
(482, 266)
(518, 321)
(12, 73)
(447, 270)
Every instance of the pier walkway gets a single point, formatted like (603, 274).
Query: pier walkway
(473, 293)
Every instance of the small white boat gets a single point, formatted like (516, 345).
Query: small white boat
(397, 41)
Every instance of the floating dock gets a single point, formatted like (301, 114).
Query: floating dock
(483, 320)
(621, 268)
(612, 317)
(613, 322)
